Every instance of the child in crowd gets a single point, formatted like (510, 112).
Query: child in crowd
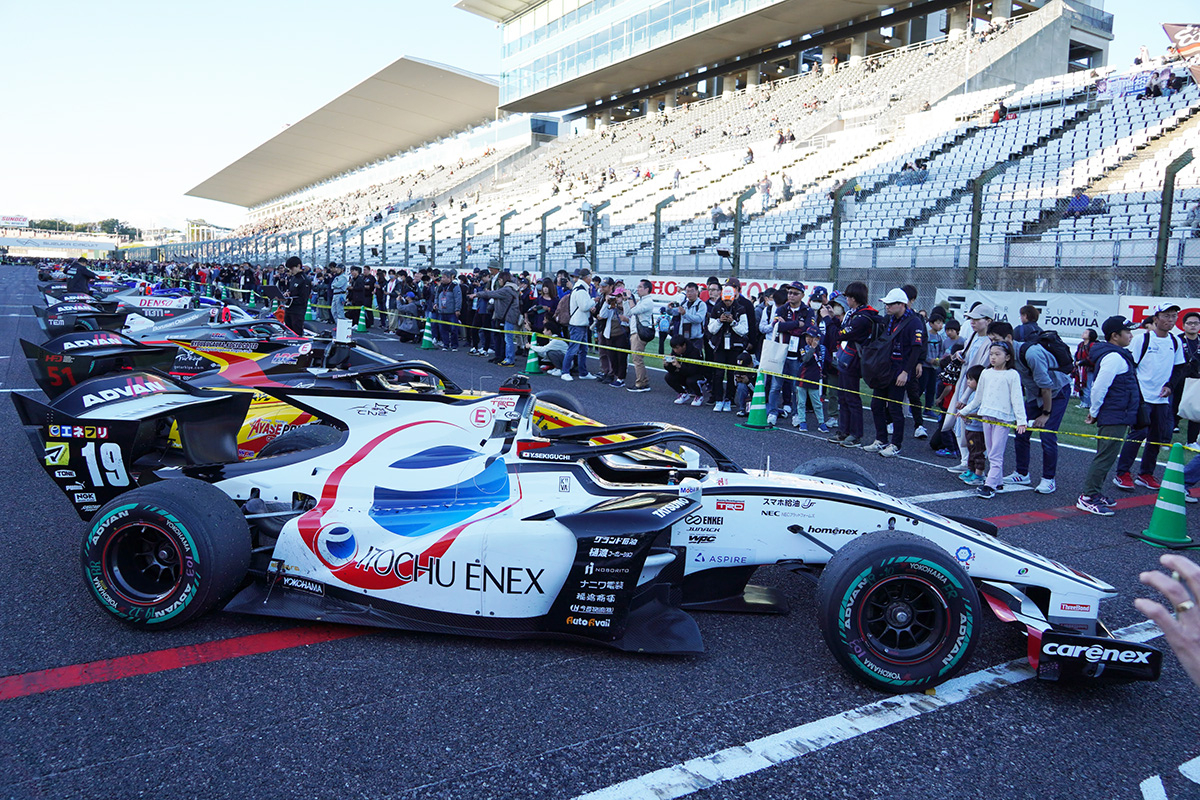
(745, 384)
(998, 399)
(973, 476)
(812, 356)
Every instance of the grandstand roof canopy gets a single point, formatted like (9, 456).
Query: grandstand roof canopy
(773, 23)
(403, 105)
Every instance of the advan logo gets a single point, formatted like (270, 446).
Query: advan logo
(730, 505)
(119, 392)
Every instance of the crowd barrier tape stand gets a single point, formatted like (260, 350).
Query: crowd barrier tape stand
(867, 396)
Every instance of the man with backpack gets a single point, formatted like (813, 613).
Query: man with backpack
(857, 329)
(1044, 363)
(888, 364)
(1156, 352)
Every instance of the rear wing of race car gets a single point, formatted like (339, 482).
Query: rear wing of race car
(74, 357)
(241, 360)
(65, 317)
(93, 438)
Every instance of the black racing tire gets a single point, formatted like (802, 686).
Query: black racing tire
(897, 612)
(838, 469)
(306, 437)
(164, 554)
(562, 400)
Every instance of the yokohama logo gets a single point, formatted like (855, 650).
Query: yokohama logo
(730, 505)
(1082, 608)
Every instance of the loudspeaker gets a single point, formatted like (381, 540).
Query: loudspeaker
(421, 249)
(374, 251)
(580, 248)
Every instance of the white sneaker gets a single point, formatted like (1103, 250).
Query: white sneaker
(874, 447)
(719, 406)
(796, 420)
(920, 433)
(727, 406)
(787, 411)
(1017, 478)
(555, 372)
(772, 419)
(958, 468)
(589, 377)
(891, 451)
(566, 376)
(682, 399)
(1046, 486)
(697, 401)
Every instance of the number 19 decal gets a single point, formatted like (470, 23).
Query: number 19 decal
(107, 468)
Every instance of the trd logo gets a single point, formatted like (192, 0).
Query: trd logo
(701, 539)
(730, 505)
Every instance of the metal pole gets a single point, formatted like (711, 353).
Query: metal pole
(328, 255)
(503, 218)
(737, 229)
(383, 244)
(1164, 219)
(462, 249)
(972, 280)
(835, 255)
(595, 222)
(407, 227)
(542, 247)
(658, 231)
(362, 245)
(344, 232)
(433, 242)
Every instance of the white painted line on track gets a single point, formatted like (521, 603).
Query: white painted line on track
(736, 762)
(1153, 789)
(1191, 770)
(18, 390)
(961, 493)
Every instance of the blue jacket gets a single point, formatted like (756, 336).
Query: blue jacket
(1121, 403)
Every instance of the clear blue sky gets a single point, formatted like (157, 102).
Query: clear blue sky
(115, 109)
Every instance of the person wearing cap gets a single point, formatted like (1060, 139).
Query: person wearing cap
(1047, 395)
(79, 275)
(1156, 352)
(409, 311)
(829, 320)
(581, 316)
(915, 388)
(791, 321)
(506, 314)
(907, 334)
(297, 290)
(856, 331)
(1114, 406)
(729, 332)
(975, 351)
(812, 356)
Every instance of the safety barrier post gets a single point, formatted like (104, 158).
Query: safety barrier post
(972, 281)
(835, 255)
(433, 242)
(407, 228)
(383, 244)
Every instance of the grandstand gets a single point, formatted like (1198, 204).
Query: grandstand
(908, 129)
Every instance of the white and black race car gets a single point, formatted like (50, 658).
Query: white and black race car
(458, 514)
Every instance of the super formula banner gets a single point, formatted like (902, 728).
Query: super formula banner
(1069, 314)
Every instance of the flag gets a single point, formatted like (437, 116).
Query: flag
(1186, 39)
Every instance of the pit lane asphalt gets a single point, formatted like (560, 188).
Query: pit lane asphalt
(396, 714)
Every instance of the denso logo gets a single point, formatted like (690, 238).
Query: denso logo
(730, 505)
(1080, 608)
(1096, 653)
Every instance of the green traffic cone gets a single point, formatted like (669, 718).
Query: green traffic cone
(757, 419)
(1168, 523)
(427, 338)
(361, 327)
(308, 315)
(531, 364)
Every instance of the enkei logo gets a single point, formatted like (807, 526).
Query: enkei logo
(730, 505)
(1081, 608)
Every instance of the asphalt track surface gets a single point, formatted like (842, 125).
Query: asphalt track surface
(245, 706)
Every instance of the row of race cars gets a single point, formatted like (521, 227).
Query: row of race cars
(232, 463)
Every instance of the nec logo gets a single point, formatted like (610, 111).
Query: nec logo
(730, 505)
(701, 539)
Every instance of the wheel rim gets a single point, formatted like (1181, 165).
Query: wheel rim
(143, 564)
(904, 619)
